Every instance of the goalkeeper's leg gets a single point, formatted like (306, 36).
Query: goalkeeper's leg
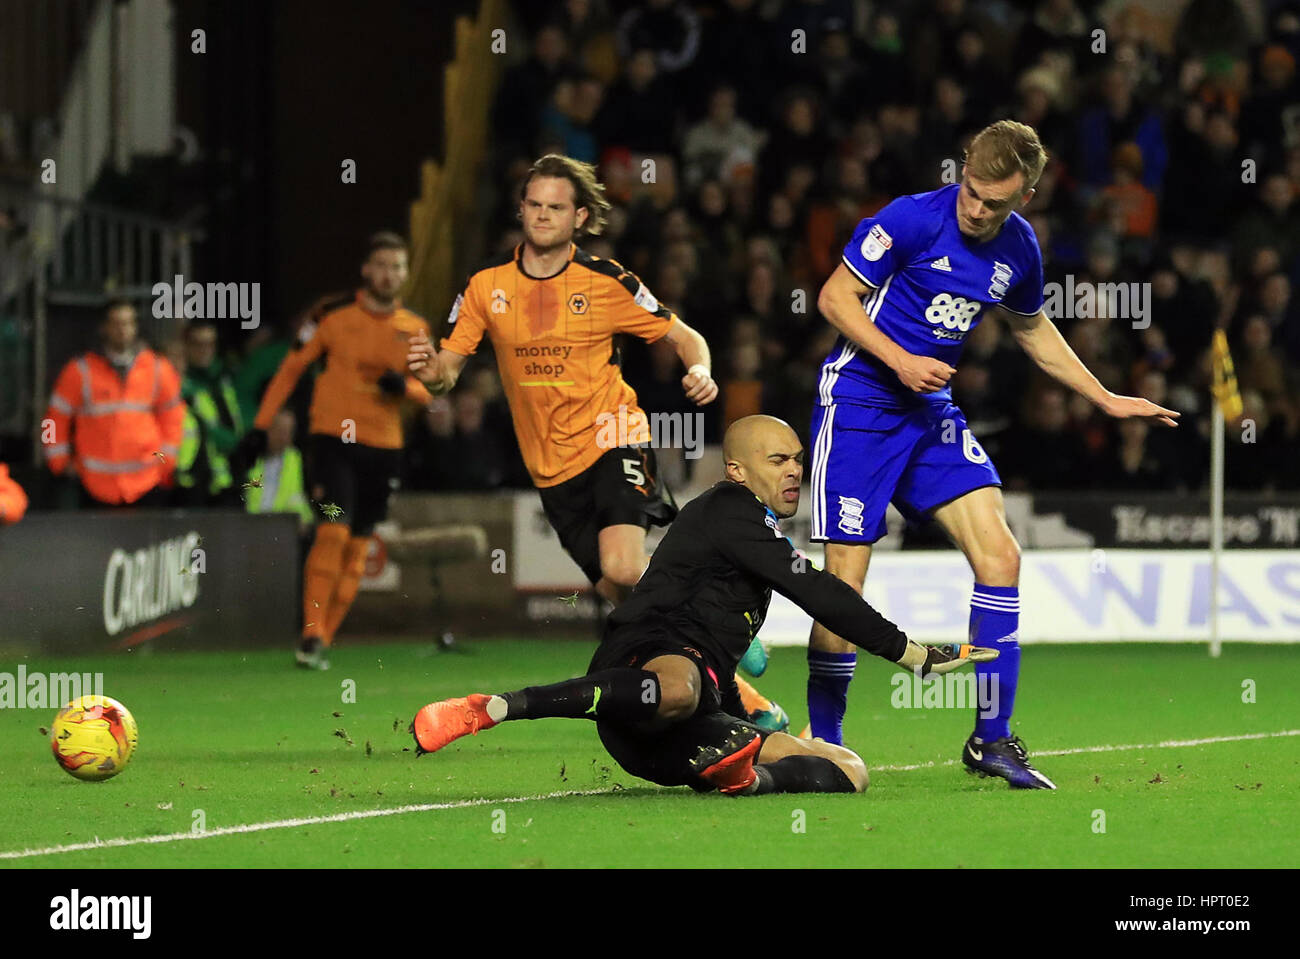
(715, 750)
(787, 764)
(665, 691)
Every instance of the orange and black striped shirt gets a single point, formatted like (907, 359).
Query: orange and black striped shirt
(554, 343)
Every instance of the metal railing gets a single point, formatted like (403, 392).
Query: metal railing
(65, 252)
(74, 254)
(89, 250)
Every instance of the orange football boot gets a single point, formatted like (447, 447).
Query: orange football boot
(440, 723)
(731, 766)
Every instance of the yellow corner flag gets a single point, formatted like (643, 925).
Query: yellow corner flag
(1224, 387)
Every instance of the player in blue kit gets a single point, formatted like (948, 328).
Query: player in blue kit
(914, 281)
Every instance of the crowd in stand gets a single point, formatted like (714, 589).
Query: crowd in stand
(775, 127)
(741, 141)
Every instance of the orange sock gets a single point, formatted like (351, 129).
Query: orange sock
(321, 575)
(345, 589)
(751, 698)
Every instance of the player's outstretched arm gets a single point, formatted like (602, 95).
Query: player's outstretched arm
(839, 608)
(1039, 337)
(438, 371)
(840, 301)
(295, 363)
(742, 534)
(287, 375)
(693, 350)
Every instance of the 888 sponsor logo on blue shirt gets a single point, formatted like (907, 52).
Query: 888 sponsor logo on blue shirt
(952, 316)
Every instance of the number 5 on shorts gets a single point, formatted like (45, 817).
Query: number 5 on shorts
(632, 470)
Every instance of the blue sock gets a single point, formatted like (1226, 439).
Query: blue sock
(829, 675)
(994, 622)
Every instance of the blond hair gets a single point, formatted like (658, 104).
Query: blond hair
(588, 191)
(1004, 149)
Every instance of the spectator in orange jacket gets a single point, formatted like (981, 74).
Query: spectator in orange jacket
(116, 418)
(13, 501)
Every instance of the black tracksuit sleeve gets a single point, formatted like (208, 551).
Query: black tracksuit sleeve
(741, 531)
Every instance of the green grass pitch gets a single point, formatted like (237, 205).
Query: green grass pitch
(233, 740)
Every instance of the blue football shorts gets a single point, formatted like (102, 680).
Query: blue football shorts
(865, 457)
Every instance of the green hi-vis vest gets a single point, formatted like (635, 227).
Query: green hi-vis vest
(282, 491)
(202, 409)
(191, 440)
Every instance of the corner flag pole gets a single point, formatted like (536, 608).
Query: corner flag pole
(1226, 406)
(1216, 522)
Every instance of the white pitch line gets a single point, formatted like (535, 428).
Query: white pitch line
(292, 823)
(1165, 744)
(467, 803)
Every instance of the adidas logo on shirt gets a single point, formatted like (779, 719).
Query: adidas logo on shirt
(942, 264)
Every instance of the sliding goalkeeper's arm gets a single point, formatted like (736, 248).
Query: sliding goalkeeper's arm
(741, 533)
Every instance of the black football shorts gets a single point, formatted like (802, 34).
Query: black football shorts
(620, 488)
(664, 756)
(356, 478)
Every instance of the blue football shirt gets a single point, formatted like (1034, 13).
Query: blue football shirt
(932, 286)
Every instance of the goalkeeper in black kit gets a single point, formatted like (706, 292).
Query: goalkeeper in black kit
(661, 687)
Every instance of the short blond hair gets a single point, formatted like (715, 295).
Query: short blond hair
(1004, 149)
(588, 191)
